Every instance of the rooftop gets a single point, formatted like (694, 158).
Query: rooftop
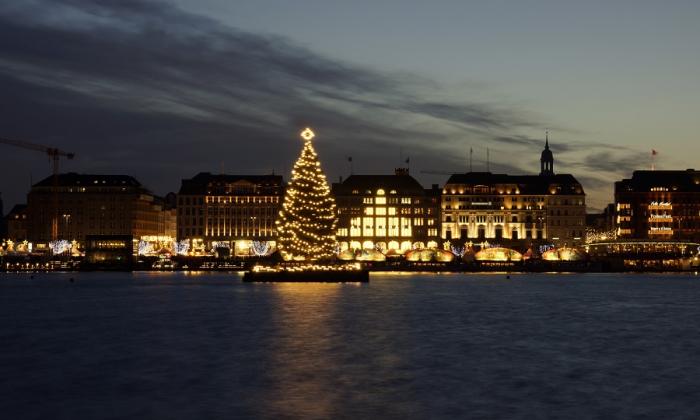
(643, 181)
(88, 180)
(404, 183)
(207, 183)
(527, 184)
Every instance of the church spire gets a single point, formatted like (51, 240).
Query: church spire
(547, 158)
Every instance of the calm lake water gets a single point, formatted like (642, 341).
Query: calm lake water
(196, 346)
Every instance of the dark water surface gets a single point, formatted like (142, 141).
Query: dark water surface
(195, 346)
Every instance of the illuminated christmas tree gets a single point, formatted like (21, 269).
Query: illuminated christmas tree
(306, 223)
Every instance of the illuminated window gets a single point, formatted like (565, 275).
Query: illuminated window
(380, 223)
(368, 200)
(356, 226)
(405, 226)
(393, 226)
(369, 211)
(392, 211)
(380, 192)
(368, 226)
(380, 200)
(380, 211)
(405, 200)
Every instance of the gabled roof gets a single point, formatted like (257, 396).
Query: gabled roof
(17, 209)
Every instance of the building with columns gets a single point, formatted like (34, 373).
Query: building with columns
(514, 209)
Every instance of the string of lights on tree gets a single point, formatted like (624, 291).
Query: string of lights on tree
(596, 235)
(261, 248)
(306, 222)
(59, 246)
(145, 248)
(182, 247)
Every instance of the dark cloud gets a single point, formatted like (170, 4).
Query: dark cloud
(607, 164)
(147, 89)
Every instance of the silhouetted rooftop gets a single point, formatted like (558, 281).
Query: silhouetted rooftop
(362, 183)
(88, 180)
(207, 183)
(17, 209)
(643, 181)
(527, 184)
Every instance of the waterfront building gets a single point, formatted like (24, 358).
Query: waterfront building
(659, 205)
(518, 209)
(229, 213)
(89, 204)
(386, 212)
(16, 222)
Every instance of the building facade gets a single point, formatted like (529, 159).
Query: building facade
(16, 222)
(95, 205)
(227, 211)
(386, 212)
(659, 205)
(483, 206)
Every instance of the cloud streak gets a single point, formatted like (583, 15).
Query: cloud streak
(147, 89)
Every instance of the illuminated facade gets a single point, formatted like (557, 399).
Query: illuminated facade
(482, 206)
(389, 212)
(658, 205)
(228, 211)
(96, 205)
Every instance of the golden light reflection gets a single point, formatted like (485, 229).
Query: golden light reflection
(303, 365)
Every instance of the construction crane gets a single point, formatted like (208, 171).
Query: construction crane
(54, 155)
